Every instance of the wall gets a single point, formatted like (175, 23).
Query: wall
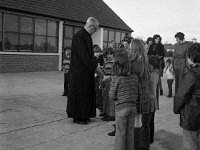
(28, 63)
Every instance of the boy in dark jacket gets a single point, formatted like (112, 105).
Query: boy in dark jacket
(108, 105)
(66, 64)
(98, 77)
(187, 100)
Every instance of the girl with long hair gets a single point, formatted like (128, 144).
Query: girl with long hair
(125, 90)
(140, 66)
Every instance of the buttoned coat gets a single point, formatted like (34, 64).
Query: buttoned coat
(82, 96)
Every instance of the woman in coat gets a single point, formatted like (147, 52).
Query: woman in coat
(179, 59)
(157, 49)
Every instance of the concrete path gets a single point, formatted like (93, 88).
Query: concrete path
(32, 117)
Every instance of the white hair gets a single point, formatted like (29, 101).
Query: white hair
(91, 20)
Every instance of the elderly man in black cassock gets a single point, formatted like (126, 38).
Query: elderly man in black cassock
(81, 104)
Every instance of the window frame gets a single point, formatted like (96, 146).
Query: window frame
(73, 33)
(107, 42)
(33, 34)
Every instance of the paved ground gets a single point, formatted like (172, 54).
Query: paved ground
(32, 117)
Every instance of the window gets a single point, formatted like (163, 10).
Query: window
(52, 28)
(117, 37)
(67, 43)
(11, 23)
(40, 44)
(68, 31)
(26, 25)
(52, 40)
(40, 26)
(40, 35)
(26, 42)
(123, 35)
(29, 34)
(26, 34)
(105, 35)
(68, 35)
(52, 44)
(110, 35)
(11, 41)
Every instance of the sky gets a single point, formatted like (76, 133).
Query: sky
(163, 17)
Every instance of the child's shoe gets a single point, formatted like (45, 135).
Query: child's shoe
(112, 133)
(102, 114)
(169, 95)
(161, 92)
(108, 118)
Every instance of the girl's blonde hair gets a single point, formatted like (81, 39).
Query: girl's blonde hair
(138, 54)
(122, 65)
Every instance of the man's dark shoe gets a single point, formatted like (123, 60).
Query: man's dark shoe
(112, 133)
(108, 118)
(79, 121)
(65, 94)
(144, 148)
(102, 114)
(88, 119)
(169, 95)
(105, 116)
(161, 92)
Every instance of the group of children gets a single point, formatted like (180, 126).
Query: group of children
(118, 89)
(122, 92)
(104, 104)
(127, 93)
(122, 89)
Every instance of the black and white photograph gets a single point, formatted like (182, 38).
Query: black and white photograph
(99, 75)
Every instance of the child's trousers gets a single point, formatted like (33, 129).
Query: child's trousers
(169, 83)
(125, 121)
(191, 140)
(66, 84)
(108, 104)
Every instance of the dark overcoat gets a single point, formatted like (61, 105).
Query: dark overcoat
(82, 97)
(187, 99)
(158, 50)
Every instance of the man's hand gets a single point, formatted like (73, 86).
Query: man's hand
(99, 70)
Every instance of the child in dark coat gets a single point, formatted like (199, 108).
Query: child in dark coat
(66, 65)
(187, 101)
(98, 77)
(108, 105)
(170, 76)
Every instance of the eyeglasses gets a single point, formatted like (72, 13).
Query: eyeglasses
(96, 28)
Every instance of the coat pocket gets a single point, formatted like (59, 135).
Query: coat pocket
(190, 117)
